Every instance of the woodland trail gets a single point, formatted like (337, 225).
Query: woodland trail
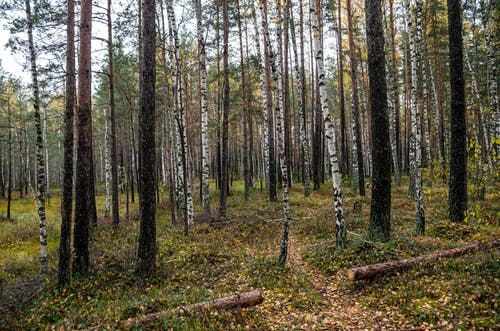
(339, 310)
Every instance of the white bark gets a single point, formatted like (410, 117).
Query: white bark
(107, 166)
(205, 194)
(329, 131)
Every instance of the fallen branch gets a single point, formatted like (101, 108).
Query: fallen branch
(373, 270)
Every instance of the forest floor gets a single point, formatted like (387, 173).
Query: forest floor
(220, 258)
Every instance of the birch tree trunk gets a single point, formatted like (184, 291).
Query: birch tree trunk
(107, 166)
(280, 121)
(340, 229)
(492, 55)
(182, 145)
(343, 127)
(268, 61)
(205, 194)
(39, 145)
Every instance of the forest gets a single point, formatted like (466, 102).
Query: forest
(250, 164)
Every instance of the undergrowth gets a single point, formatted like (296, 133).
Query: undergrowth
(223, 257)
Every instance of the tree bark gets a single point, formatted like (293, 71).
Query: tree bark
(84, 180)
(380, 210)
(340, 229)
(458, 140)
(39, 145)
(147, 158)
(64, 273)
(225, 116)
(355, 108)
(380, 269)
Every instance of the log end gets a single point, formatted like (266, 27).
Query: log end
(351, 275)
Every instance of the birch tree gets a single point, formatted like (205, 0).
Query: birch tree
(205, 194)
(340, 229)
(39, 144)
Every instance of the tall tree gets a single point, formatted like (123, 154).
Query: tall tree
(84, 165)
(64, 274)
(39, 144)
(225, 114)
(205, 194)
(147, 155)
(268, 59)
(114, 160)
(358, 150)
(244, 108)
(380, 210)
(300, 99)
(343, 129)
(280, 121)
(340, 229)
(458, 142)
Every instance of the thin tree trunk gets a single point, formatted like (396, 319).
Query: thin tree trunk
(39, 145)
(343, 128)
(340, 229)
(64, 274)
(114, 161)
(9, 166)
(395, 89)
(225, 120)
(355, 108)
(300, 79)
(205, 194)
(269, 60)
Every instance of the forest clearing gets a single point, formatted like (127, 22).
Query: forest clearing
(249, 164)
(218, 259)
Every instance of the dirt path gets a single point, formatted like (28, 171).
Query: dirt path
(338, 310)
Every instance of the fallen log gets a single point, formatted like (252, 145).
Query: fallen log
(373, 270)
(241, 300)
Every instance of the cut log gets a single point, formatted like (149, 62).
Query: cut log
(373, 270)
(242, 300)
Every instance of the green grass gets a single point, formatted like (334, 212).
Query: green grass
(240, 254)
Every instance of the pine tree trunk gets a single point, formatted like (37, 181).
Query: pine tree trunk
(114, 161)
(340, 229)
(343, 128)
(355, 107)
(244, 108)
(225, 118)
(147, 156)
(64, 272)
(380, 211)
(9, 166)
(84, 148)
(458, 143)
